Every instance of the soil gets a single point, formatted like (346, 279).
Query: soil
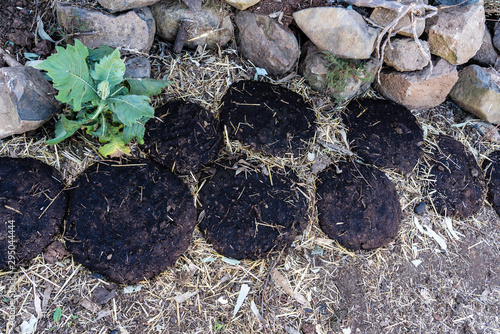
(460, 187)
(18, 23)
(384, 134)
(130, 222)
(266, 7)
(245, 216)
(268, 117)
(358, 206)
(183, 136)
(492, 168)
(32, 207)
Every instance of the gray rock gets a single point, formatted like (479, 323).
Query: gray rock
(242, 4)
(419, 89)
(26, 100)
(496, 36)
(265, 43)
(478, 92)
(132, 30)
(340, 31)
(210, 26)
(487, 55)
(315, 68)
(121, 5)
(405, 54)
(137, 67)
(384, 17)
(456, 33)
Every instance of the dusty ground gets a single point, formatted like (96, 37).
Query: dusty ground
(415, 285)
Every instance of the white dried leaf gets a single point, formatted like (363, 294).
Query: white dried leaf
(429, 232)
(231, 261)
(41, 32)
(185, 296)
(241, 298)
(450, 230)
(132, 289)
(28, 327)
(416, 262)
(222, 300)
(255, 311)
(281, 281)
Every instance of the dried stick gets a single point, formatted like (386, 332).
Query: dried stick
(8, 59)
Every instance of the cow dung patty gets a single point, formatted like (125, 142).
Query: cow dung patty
(129, 222)
(183, 135)
(267, 117)
(459, 188)
(358, 206)
(245, 216)
(384, 134)
(32, 207)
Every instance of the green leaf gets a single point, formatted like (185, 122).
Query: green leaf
(97, 54)
(146, 86)
(110, 68)
(64, 128)
(70, 75)
(130, 109)
(57, 314)
(135, 130)
(115, 146)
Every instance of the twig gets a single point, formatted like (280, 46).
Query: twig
(8, 59)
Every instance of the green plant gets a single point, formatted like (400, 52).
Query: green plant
(101, 101)
(341, 70)
(57, 315)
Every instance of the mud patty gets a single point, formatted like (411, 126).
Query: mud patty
(459, 186)
(359, 207)
(492, 168)
(245, 216)
(183, 135)
(384, 134)
(129, 223)
(267, 117)
(32, 206)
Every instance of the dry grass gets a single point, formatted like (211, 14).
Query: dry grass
(452, 290)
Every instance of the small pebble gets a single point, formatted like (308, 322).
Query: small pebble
(420, 208)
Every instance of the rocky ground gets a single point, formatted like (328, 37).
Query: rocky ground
(439, 275)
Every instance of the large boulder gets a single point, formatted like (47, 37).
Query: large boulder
(422, 89)
(487, 55)
(132, 30)
(384, 17)
(456, 33)
(209, 26)
(265, 43)
(318, 72)
(122, 5)
(340, 31)
(478, 91)
(496, 36)
(26, 100)
(404, 54)
(242, 4)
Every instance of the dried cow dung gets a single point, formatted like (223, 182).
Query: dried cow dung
(384, 134)
(267, 117)
(492, 168)
(129, 223)
(459, 186)
(358, 206)
(183, 135)
(245, 215)
(32, 206)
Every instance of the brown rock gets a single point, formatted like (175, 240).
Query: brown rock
(265, 43)
(384, 17)
(210, 26)
(315, 68)
(242, 4)
(487, 55)
(340, 31)
(478, 92)
(419, 89)
(456, 33)
(122, 5)
(26, 100)
(133, 30)
(404, 54)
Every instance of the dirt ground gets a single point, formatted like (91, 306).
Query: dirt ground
(439, 275)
